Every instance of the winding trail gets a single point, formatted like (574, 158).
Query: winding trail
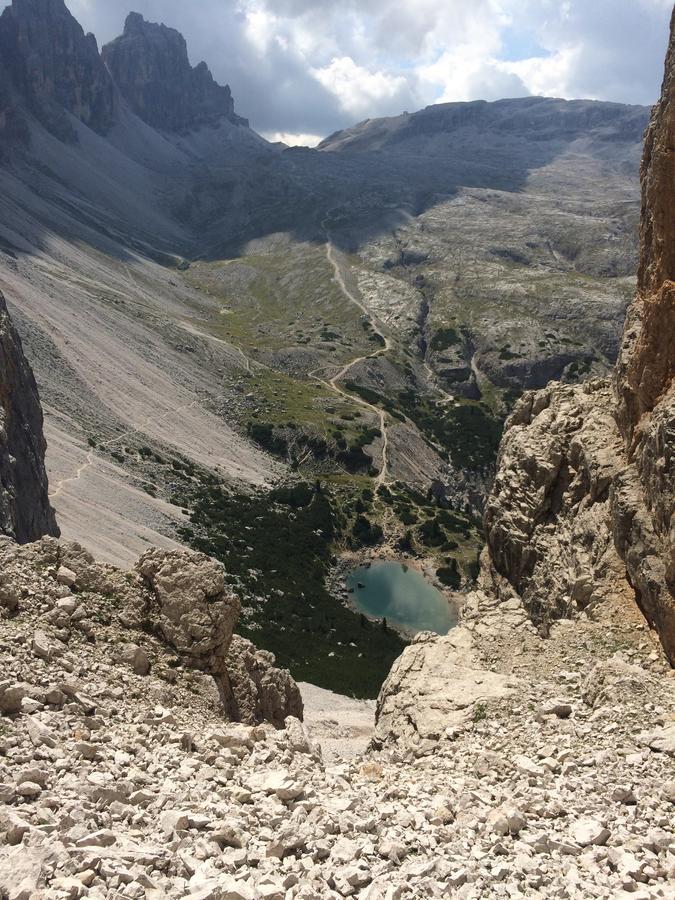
(332, 383)
(90, 458)
(91, 455)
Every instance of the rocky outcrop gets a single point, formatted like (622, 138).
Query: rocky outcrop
(150, 66)
(548, 519)
(171, 619)
(55, 66)
(583, 502)
(258, 691)
(25, 512)
(190, 606)
(432, 690)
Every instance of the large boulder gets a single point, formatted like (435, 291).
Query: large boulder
(433, 689)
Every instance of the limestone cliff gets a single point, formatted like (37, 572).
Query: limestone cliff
(25, 513)
(55, 66)
(644, 498)
(149, 64)
(579, 525)
(583, 501)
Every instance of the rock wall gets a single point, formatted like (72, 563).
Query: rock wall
(644, 497)
(580, 523)
(55, 66)
(548, 518)
(25, 513)
(149, 64)
(582, 507)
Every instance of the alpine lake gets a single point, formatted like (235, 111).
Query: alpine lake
(400, 594)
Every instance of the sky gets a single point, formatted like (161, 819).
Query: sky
(301, 69)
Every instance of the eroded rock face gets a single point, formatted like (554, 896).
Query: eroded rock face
(171, 618)
(548, 519)
(644, 498)
(258, 691)
(25, 513)
(149, 64)
(54, 65)
(190, 605)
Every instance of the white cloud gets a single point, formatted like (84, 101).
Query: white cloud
(293, 140)
(359, 91)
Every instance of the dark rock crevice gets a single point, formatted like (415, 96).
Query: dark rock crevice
(25, 512)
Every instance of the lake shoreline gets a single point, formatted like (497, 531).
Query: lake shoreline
(350, 560)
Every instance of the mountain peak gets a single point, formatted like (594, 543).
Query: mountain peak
(150, 65)
(134, 22)
(55, 65)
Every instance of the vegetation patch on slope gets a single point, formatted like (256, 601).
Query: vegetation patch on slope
(277, 549)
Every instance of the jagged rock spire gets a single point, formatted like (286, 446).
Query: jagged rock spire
(149, 64)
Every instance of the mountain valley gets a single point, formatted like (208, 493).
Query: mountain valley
(239, 382)
(197, 306)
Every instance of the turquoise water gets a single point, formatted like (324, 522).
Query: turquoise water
(402, 596)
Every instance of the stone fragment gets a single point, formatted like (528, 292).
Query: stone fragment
(174, 820)
(21, 870)
(587, 831)
(135, 657)
(39, 734)
(12, 826)
(662, 740)
(41, 645)
(668, 791)
(66, 576)
(29, 789)
(103, 838)
(276, 781)
(11, 696)
(560, 708)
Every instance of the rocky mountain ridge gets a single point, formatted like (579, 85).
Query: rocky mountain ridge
(150, 67)
(55, 67)
(540, 118)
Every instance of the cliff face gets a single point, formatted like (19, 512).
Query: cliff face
(55, 66)
(644, 497)
(149, 64)
(580, 523)
(25, 513)
(646, 363)
(583, 503)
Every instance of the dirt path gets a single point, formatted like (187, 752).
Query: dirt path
(447, 398)
(90, 458)
(332, 383)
